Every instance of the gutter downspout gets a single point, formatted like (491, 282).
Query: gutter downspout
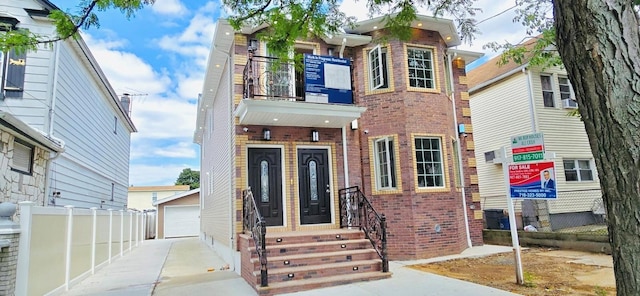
(460, 166)
(52, 107)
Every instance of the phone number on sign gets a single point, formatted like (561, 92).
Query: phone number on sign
(531, 194)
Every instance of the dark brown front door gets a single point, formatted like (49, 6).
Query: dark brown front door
(265, 180)
(315, 189)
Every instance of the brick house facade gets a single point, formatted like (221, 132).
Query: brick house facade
(398, 139)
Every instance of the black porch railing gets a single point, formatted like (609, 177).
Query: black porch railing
(255, 224)
(357, 211)
(272, 79)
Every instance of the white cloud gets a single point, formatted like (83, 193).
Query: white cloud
(163, 118)
(143, 175)
(126, 70)
(169, 8)
(179, 150)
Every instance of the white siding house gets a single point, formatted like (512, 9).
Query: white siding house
(61, 91)
(515, 100)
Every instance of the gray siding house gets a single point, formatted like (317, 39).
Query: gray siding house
(61, 91)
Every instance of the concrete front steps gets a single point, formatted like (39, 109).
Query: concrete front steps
(299, 261)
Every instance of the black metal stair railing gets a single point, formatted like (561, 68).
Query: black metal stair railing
(357, 211)
(256, 225)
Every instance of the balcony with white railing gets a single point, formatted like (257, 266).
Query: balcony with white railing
(274, 94)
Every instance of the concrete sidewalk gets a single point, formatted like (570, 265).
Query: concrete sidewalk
(189, 267)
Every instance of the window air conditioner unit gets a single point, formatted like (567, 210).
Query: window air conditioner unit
(493, 156)
(569, 104)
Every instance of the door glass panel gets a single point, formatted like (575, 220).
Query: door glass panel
(313, 180)
(264, 181)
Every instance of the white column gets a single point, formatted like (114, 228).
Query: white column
(24, 247)
(67, 259)
(93, 240)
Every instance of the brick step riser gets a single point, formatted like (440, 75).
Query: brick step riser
(272, 241)
(321, 272)
(272, 264)
(276, 252)
(278, 291)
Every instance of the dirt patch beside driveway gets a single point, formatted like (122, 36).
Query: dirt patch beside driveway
(547, 272)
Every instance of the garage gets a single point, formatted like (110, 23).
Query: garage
(181, 221)
(179, 215)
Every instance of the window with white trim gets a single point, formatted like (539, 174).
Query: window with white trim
(421, 68)
(577, 170)
(378, 69)
(22, 160)
(547, 90)
(565, 88)
(385, 168)
(429, 164)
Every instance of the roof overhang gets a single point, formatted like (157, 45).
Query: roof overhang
(445, 27)
(219, 57)
(303, 114)
(467, 56)
(26, 133)
(176, 196)
(497, 78)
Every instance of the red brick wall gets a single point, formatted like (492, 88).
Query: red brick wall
(412, 216)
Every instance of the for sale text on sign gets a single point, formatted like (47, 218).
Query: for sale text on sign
(533, 180)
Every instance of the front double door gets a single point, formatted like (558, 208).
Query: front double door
(314, 186)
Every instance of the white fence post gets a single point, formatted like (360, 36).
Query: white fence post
(121, 232)
(67, 259)
(93, 239)
(22, 272)
(137, 228)
(144, 228)
(110, 233)
(130, 228)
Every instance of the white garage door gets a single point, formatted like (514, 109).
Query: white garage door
(181, 221)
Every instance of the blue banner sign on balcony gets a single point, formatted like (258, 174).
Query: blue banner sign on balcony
(327, 79)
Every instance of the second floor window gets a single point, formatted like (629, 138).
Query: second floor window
(565, 88)
(547, 90)
(420, 67)
(429, 162)
(385, 167)
(378, 70)
(577, 170)
(154, 197)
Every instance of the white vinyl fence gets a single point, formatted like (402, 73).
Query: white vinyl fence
(61, 246)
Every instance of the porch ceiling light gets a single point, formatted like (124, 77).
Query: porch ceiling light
(315, 136)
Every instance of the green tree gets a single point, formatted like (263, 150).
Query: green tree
(189, 177)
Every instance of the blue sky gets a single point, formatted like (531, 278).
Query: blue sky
(160, 56)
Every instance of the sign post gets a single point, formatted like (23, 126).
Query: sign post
(526, 179)
(512, 220)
